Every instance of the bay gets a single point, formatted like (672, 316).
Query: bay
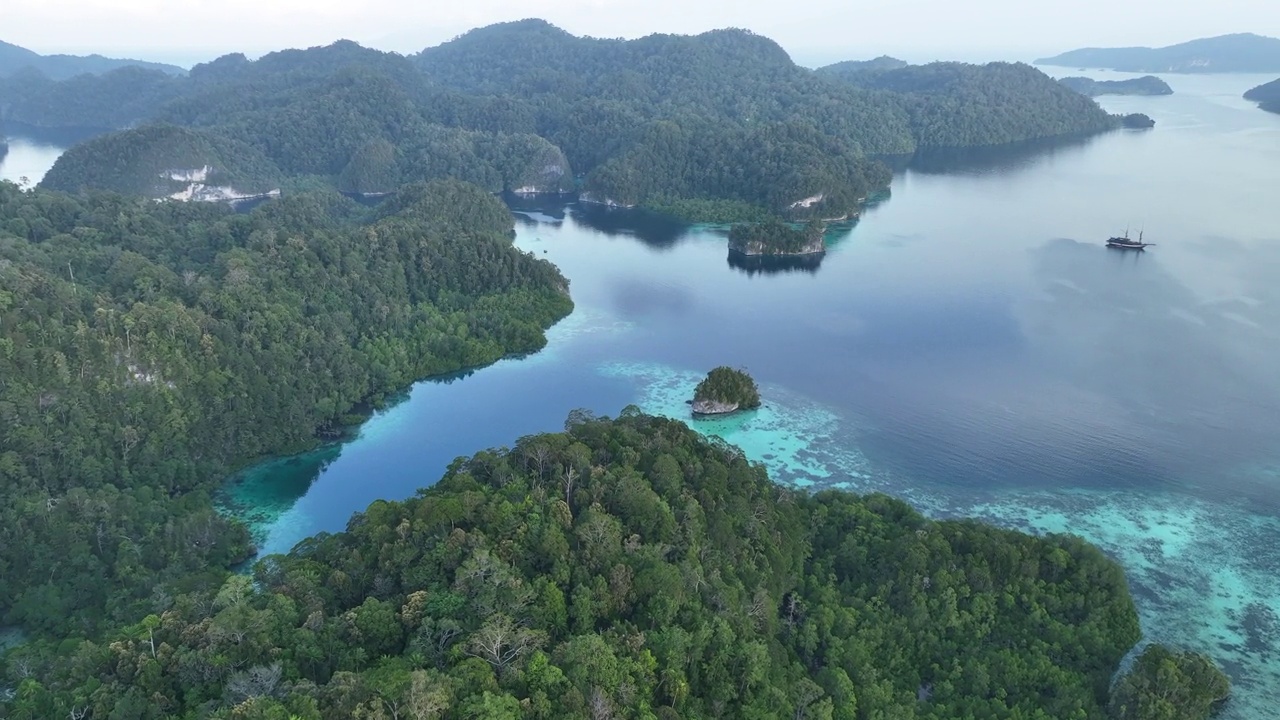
(968, 344)
(28, 158)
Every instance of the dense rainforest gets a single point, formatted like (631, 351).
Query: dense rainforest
(626, 569)
(1266, 95)
(726, 386)
(148, 349)
(954, 104)
(718, 126)
(775, 237)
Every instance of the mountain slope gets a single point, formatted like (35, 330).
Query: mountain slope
(955, 104)
(60, 67)
(1239, 52)
(1266, 95)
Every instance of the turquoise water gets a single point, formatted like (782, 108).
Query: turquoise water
(968, 345)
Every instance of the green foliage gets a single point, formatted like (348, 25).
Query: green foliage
(708, 211)
(960, 105)
(627, 569)
(115, 99)
(851, 68)
(728, 385)
(158, 160)
(1169, 685)
(704, 126)
(1146, 85)
(1266, 95)
(1137, 120)
(147, 349)
(775, 237)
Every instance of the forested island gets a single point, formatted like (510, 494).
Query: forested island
(1145, 85)
(1137, 121)
(630, 568)
(1266, 95)
(623, 568)
(724, 391)
(149, 349)
(15, 59)
(721, 126)
(1235, 53)
(776, 237)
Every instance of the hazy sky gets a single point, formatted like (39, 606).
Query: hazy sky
(187, 31)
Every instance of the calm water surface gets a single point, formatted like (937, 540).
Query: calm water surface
(969, 345)
(29, 158)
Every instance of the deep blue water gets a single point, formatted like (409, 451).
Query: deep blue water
(969, 345)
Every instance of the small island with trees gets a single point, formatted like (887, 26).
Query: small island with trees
(1145, 85)
(774, 236)
(1137, 121)
(724, 391)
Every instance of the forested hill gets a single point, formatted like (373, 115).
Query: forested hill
(961, 105)
(1145, 85)
(61, 67)
(718, 124)
(1266, 95)
(627, 569)
(847, 68)
(147, 349)
(1239, 52)
(159, 160)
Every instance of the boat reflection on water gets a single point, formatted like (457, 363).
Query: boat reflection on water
(754, 265)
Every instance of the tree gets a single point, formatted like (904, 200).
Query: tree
(502, 643)
(1169, 685)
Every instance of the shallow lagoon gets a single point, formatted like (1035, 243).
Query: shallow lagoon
(968, 345)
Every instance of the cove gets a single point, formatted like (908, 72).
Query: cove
(968, 345)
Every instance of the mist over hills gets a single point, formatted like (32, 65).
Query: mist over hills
(1238, 52)
(60, 67)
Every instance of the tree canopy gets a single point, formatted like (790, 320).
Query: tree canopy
(729, 386)
(705, 125)
(628, 569)
(148, 349)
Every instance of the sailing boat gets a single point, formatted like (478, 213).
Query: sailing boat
(1125, 243)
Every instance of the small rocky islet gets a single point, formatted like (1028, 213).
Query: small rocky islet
(725, 391)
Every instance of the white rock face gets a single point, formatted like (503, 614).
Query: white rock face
(197, 175)
(607, 202)
(198, 190)
(713, 407)
(807, 202)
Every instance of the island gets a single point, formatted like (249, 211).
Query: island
(1235, 53)
(61, 67)
(1137, 121)
(1266, 95)
(1145, 85)
(777, 237)
(725, 391)
(660, 125)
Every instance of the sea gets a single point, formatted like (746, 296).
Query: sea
(968, 344)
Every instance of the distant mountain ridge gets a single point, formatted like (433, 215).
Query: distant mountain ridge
(60, 67)
(1235, 53)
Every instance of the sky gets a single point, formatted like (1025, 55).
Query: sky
(813, 31)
